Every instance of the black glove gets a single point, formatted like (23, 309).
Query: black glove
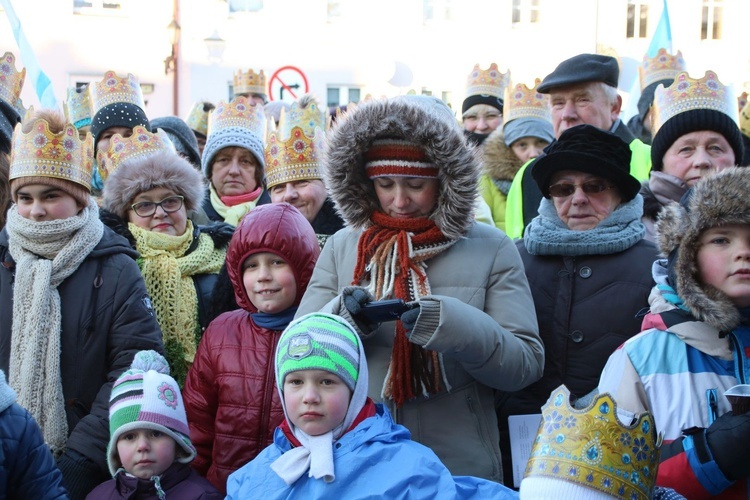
(80, 475)
(728, 439)
(409, 318)
(354, 298)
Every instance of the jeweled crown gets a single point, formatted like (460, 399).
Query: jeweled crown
(687, 94)
(78, 110)
(141, 144)
(114, 88)
(40, 152)
(198, 119)
(294, 148)
(249, 83)
(745, 119)
(487, 82)
(591, 448)
(239, 112)
(524, 102)
(663, 66)
(11, 80)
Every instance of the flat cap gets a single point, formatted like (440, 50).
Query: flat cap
(582, 68)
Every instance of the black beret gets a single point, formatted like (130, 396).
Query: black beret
(117, 114)
(582, 68)
(585, 148)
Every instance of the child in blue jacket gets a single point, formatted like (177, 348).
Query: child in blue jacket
(334, 441)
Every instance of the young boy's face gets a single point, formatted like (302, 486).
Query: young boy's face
(146, 452)
(269, 282)
(724, 261)
(41, 202)
(316, 400)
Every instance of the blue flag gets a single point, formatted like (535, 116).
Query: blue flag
(40, 81)
(662, 35)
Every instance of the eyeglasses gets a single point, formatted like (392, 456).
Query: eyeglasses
(565, 189)
(148, 208)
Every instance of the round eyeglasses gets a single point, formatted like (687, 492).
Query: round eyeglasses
(148, 208)
(565, 189)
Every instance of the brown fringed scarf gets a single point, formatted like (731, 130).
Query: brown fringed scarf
(392, 254)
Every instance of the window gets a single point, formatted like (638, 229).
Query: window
(245, 6)
(333, 96)
(436, 10)
(343, 94)
(525, 11)
(637, 19)
(711, 20)
(99, 7)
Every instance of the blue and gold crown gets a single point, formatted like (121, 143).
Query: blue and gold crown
(239, 112)
(294, 148)
(686, 94)
(78, 109)
(249, 83)
(141, 144)
(114, 88)
(40, 152)
(663, 66)
(591, 448)
(197, 120)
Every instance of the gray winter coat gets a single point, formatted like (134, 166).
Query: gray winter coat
(480, 315)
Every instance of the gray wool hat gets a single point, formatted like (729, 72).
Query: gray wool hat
(232, 136)
(582, 68)
(163, 169)
(182, 137)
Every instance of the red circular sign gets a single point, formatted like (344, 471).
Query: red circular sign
(287, 84)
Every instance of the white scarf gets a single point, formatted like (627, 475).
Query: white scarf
(46, 253)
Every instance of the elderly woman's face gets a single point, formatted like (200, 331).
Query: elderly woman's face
(407, 197)
(698, 154)
(164, 218)
(581, 211)
(233, 171)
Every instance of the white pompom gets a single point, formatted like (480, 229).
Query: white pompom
(150, 360)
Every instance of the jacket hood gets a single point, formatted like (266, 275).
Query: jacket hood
(424, 121)
(7, 394)
(278, 228)
(718, 200)
(111, 244)
(498, 160)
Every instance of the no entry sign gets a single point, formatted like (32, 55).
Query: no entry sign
(287, 84)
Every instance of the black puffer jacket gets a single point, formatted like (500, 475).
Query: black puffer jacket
(106, 319)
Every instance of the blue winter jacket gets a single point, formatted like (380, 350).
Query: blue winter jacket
(27, 469)
(376, 459)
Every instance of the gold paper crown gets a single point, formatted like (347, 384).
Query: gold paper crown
(293, 150)
(487, 82)
(745, 119)
(78, 106)
(591, 448)
(663, 66)
(741, 100)
(39, 152)
(249, 83)
(524, 102)
(687, 94)
(239, 112)
(11, 80)
(197, 120)
(114, 88)
(141, 144)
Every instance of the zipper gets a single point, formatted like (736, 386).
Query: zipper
(713, 406)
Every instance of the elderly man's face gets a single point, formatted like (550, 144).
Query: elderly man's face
(581, 103)
(306, 195)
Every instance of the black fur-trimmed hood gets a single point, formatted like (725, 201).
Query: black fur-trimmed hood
(498, 160)
(425, 121)
(717, 200)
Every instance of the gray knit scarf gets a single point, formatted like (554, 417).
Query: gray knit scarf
(547, 234)
(46, 253)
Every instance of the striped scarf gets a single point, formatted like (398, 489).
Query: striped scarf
(392, 255)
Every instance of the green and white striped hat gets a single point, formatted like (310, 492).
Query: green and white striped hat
(319, 341)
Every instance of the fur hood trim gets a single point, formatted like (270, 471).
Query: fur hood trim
(413, 119)
(498, 160)
(164, 169)
(718, 200)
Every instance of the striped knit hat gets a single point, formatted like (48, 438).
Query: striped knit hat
(398, 158)
(146, 397)
(320, 342)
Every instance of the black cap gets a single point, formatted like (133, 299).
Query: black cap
(117, 114)
(182, 136)
(585, 148)
(582, 68)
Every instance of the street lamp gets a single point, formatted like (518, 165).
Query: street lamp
(216, 46)
(173, 32)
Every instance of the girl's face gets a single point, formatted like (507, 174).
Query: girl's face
(269, 282)
(41, 202)
(145, 453)
(407, 197)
